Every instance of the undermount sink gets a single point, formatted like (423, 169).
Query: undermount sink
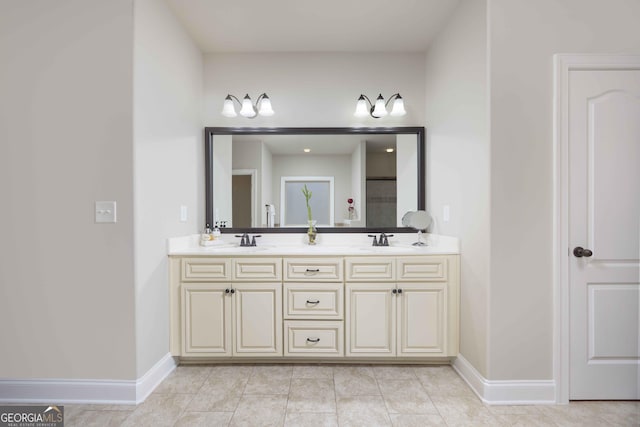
(387, 249)
(236, 248)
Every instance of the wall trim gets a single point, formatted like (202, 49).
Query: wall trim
(123, 392)
(528, 392)
(563, 64)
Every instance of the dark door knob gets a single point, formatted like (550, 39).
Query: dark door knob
(580, 252)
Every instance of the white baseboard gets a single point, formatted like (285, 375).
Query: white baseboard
(532, 392)
(154, 376)
(123, 392)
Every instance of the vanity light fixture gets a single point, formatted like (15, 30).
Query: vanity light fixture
(389, 150)
(248, 109)
(378, 109)
(307, 150)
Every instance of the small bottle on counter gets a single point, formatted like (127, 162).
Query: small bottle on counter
(206, 235)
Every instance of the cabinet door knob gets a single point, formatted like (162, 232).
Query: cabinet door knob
(314, 340)
(226, 291)
(580, 252)
(233, 291)
(394, 291)
(400, 290)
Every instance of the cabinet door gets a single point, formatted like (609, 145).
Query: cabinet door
(257, 326)
(371, 319)
(422, 314)
(206, 320)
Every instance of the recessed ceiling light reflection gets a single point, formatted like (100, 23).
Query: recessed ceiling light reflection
(307, 150)
(389, 150)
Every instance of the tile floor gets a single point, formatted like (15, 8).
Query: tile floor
(334, 395)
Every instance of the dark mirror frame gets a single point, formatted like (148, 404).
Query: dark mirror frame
(210, 132)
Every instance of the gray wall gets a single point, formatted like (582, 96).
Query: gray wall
(458, 162)
(523, 38)
(66, 127)
(168, 166)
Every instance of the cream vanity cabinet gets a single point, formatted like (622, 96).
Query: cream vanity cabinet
(297, 307)
(313, 307)
(402, 307)
(226, 307)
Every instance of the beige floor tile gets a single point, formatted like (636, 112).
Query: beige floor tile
(362, 411)
(394, 372)
(519, 420)
(579, 414)
(403, 420)
(216, 402)
(313, 371)
(184, 379)
(355, 381)
(406, 397)
(214, 385)
(255, 411)
(272, 371)
(454, 405)
(159, 410)
(96, 418)
(311, 395)
(231, 371)
(266, 386)
(204, 419)
(342, 370)
(464, 411)
(299, 419)
(108, 407)
(442, 380)
(514, 409)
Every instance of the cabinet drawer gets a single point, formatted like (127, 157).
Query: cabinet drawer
(263, 269)
(195, 269)
(433, 268)
(313, 339)
(370, 268)
(316, 269)
(313, 300)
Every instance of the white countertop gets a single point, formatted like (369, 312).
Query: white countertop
(277, 244)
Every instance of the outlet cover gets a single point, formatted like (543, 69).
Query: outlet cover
(105, 212)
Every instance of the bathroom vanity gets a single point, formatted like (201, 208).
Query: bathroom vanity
(340, 300)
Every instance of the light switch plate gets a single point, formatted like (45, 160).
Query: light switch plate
(106, 212)
(446, 213)
(183, 213)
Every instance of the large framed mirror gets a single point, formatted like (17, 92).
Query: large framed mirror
(365, 178)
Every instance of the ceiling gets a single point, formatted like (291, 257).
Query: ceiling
(312, 26)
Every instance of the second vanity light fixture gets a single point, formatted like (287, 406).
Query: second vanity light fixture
(379, 109)
(248, 109)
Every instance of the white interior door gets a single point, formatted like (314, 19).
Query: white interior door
(604, 220)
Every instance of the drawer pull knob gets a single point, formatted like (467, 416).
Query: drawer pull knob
(313, 270)
(313, 302)
(313, 340)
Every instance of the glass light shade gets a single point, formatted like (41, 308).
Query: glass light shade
(379, 109)
(398, 107)
(247, 107)
(227, 108)
(265, 107)
(362, 110)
